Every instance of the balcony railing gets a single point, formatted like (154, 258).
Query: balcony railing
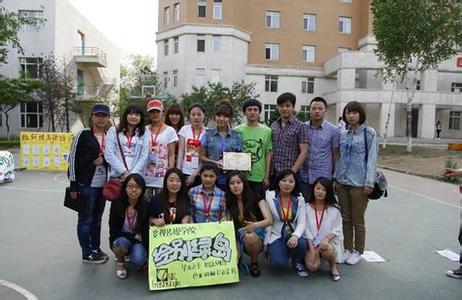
(90, 55)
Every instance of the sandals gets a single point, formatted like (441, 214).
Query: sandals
(255, 270)
(335, 276)
(121, 272)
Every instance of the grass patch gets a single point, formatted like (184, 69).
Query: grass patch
(425, 152)
(5, 144)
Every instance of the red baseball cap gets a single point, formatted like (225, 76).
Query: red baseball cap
(155, 104)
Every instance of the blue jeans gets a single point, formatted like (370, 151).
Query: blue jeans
(89, 222)
(279, 253)
(136, 252)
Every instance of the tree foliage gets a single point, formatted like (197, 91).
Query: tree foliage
(10, 24)
(57, 93)
(428, 31)
(211, 94)
(14, 92)
(138, 72)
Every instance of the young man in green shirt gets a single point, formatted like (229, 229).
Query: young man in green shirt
(256, 139)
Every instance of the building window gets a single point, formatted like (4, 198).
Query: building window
(216, 40)
(165, 47)
(344, 24)
(30, 66)
(216, 75)
(309, 54)
(176, 11)
(271, 83)
(417, 85)
(308, 85)
(309, 22)
(305, 110)
(200, 77)
(346, 1)
(175, 45)
(166, 15)
(272, 19)
(268, 110)
(165, 77)
(342, 49)
(31, 114)
(35, 14)
(200, 45)
(454, 119)
(80, 83)
(456, 87)
(175, 78)
(272, 51)
(202, 6)
(217, 10)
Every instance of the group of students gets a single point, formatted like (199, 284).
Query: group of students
(285, 207)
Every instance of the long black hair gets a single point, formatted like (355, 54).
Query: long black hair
(284, 173)
(330, 197)
(182, 203)
(123, 197)
(132, 109)
(249, 200)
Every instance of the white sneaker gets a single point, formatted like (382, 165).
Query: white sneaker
(346, 255)
(354, 258)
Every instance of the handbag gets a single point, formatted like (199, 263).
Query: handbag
(111, 189)
(79, 204)
(380, 182)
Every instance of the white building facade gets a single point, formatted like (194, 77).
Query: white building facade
(210, 41)
(90, 58)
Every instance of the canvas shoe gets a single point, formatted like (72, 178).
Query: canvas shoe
(354, 258)
(101, 254)
(457, 274)
(94, 258)
(346, 255)
(301, 270)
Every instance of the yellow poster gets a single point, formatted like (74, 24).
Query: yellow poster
(192, 255)
(48, 151)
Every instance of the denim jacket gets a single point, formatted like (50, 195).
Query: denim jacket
(350, 168)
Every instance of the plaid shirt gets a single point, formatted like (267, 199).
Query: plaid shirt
(217, 208)
(286, 141)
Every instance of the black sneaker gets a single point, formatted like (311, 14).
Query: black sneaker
(457, 274)
(301, 270)
(94, 258)
(100, 253)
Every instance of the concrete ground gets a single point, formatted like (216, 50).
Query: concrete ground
(40, 252)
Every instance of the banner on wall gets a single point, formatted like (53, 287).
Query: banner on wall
(48, 151)
(192, 255)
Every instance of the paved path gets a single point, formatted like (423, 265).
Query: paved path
(39, 250)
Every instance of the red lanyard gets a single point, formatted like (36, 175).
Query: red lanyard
(318, 222)
(101, 145)
(131, 221)
(284, 215)
(129, 141)
(194, 134)
(154, 139)
(208, 206)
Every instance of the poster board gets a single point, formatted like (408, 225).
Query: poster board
(46, 151)
(189, 255)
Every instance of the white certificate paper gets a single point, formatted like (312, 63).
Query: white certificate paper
(237, 161)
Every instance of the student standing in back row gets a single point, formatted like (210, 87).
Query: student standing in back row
(323, 143)
(162, 139)
(87, 174)
(256, 140)
(290, 138)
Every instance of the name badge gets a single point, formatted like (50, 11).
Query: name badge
(153, 157)
(195, 161)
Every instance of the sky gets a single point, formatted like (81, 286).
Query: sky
(131, 27)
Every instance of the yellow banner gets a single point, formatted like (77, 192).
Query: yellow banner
(47, 151)
(192, 255)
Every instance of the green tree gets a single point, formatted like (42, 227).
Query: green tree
(136, 73)
(211, 94)
(57, 93)
(414, 36)
(14, 92)
(10, 24)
